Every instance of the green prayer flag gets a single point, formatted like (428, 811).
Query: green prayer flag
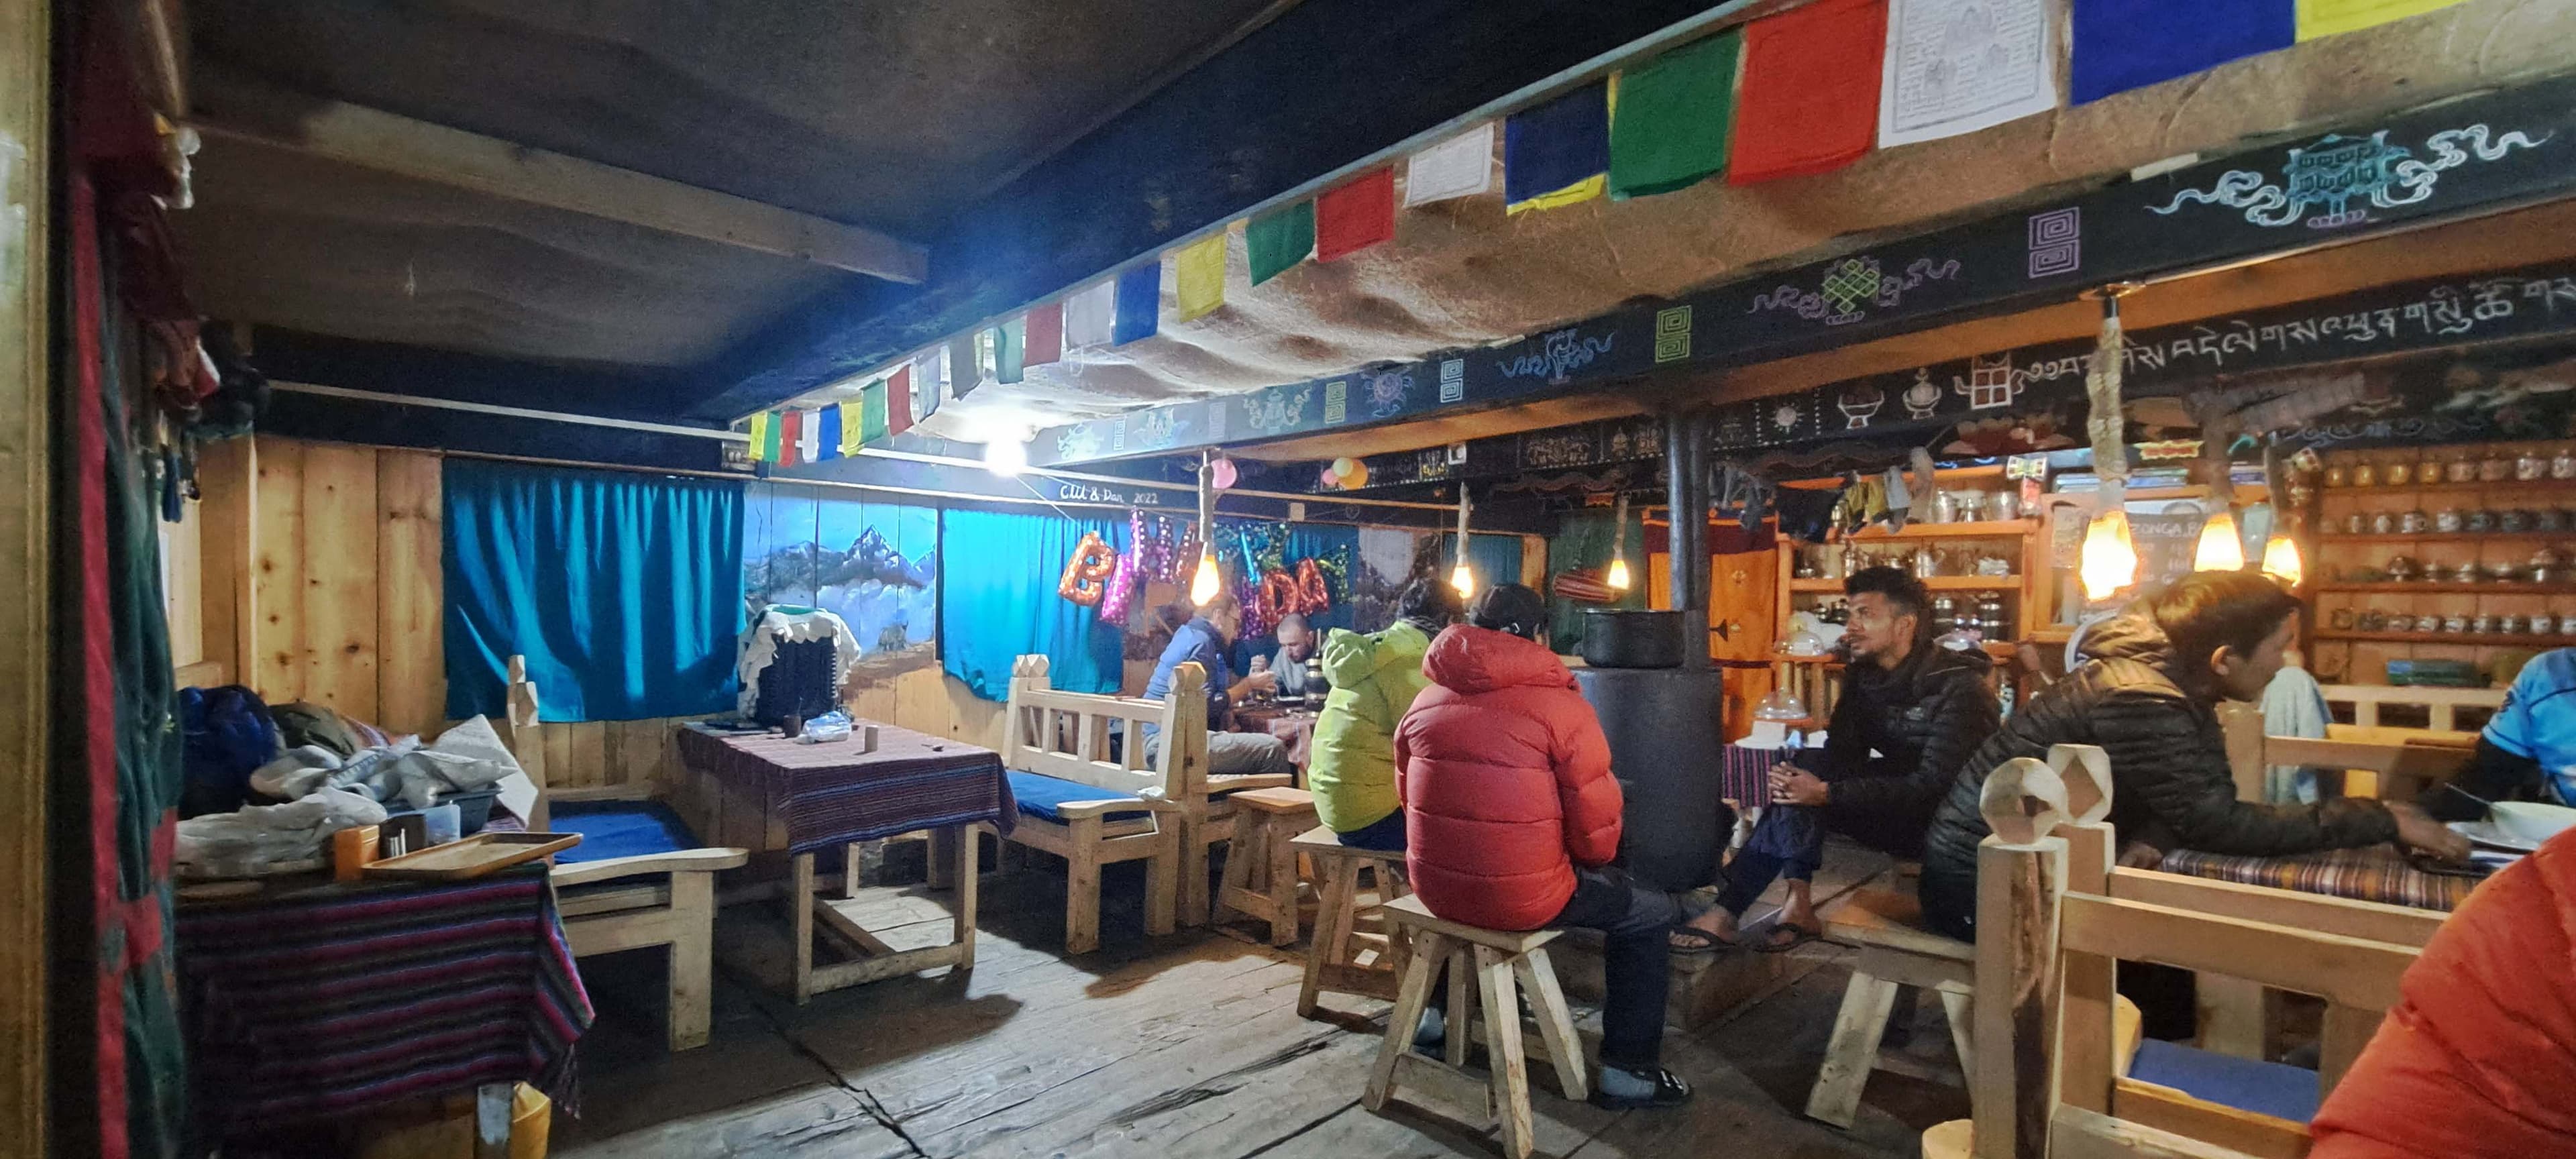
(872, 413)
(1670, 121)
(769, 437)
(1279, 239)
(1010, 350)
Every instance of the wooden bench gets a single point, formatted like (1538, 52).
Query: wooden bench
(665, 899)
(1897, 956)
(1487, 971)
(1090, 809)
(2441, 705)
(2053, 920)
(1261, 859)
(1342, 958)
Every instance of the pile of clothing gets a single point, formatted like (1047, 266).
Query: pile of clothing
(266, 789)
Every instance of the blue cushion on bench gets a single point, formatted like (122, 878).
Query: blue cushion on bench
(1043, 797)
(619, 829)
(2267, 1088)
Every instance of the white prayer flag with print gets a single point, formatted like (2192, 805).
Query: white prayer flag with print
(1461, 166)
(1957, 66)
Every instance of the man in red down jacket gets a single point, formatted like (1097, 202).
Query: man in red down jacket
(2479, 1054)
(1511, 820)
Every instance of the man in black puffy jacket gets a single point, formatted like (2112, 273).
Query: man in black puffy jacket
(2148, 696)
(1909, 713)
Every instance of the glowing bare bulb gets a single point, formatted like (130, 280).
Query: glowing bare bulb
(1006, 456)
(2110, 559)
(1204, 585)
(1618, 577)
(2221, 548)
(1463, 580)
(2281, 561)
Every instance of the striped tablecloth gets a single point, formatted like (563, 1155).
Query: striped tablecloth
(313, 1000)
(2378, 873)
(829, 794)
(1747, 774)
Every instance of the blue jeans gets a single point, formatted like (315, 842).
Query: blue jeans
(1384, 835)
(1788, 841)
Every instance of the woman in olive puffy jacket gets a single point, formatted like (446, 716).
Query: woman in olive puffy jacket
(1375, 677)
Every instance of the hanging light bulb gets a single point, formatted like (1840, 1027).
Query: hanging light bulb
(2110, 558)
(2221, 548)
(1204, 585)
(1617, 576)
(2281, 560)
(1006, 456)
(1208, 581)
(1460, 577)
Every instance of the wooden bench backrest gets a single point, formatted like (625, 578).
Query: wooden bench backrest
(2403, 765)
(2442, 704)
(2053, 919)
(1065, 735)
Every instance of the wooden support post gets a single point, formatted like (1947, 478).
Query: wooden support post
(692, 959)
(800, 899)
(1510, 1069)
(1082, 887)
(26, 546)
(2021, 880)
(969, 866)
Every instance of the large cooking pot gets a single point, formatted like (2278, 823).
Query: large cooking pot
(1613, 638)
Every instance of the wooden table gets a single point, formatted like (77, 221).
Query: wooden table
(769, 794)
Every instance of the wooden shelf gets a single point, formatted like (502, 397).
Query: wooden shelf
(2446, 537)
(2470, 639)
(1938, 583)
(1988, 529)
(1998, 649)
(2245, 493)
(2473, 487)
(2449, 587)
(1949, 478)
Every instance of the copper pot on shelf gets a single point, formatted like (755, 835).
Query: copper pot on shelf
(2397, 474)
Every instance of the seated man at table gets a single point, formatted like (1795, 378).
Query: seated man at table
(1288, 664)
(2527, 751)
(1910, 713)
(1206, 640)
(1515, 818)
(1375, 679)
(2148, 696)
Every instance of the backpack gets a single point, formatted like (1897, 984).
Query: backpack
(228, 736)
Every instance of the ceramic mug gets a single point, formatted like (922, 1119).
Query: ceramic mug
(2456, 625)
(2483, 625)
(2528, 466)
(2383, 523)
(2412, 522)
(2495, 469)
(2462, 470)
(2563, 464)
(2342, 619)
(2448, 520)
(2514, 521)
(2510, 625)
(2544, 625)
(2356, 523)
(2481, 520)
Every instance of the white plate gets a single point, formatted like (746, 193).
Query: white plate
(2485, 833)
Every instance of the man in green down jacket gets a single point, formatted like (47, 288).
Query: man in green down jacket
(1375, 678)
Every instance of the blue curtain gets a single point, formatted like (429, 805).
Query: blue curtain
(998, 573)
(624, 591)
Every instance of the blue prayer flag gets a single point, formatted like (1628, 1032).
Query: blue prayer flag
(827, 445)
(1554, 146)
(2126, 44)
(1140, 303)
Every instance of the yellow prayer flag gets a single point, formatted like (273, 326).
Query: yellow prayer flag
(760, 437)
(853, 431)
(1200, 275)
(2327, 17)
(1580, 191)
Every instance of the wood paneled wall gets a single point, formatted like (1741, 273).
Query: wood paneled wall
(316, 573)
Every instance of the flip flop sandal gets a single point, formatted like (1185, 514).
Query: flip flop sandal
(1686, 939)
(1671, 1090)
(1798, 936)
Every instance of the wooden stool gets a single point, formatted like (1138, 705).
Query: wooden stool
(1331, 961)
(1501, 962)
(1895, 952)
(1261, 860)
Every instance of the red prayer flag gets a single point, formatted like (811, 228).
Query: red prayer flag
(1044, 342)
(899, 400)
(1356, 215)
(1808, 100)
(791, 433)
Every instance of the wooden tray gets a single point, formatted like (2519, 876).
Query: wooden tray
(472, 857)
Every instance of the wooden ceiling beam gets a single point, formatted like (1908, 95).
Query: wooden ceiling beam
(230, 106)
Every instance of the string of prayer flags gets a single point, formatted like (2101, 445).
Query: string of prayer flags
(791, 437)
(1009, 347)
(1461, 166)
(1558, 153)
(872, 412)
(899, 400)
(1140, 303)
(1198, 275)
(764, 437)
(1276, 241)
(2328, 17)
(965, 367)
(1090, 316)
(1670, 121)
(833, 437)
(1957, 66)
(1044, 340)
(1810, 94)
(2126, 44)
(1355, 215)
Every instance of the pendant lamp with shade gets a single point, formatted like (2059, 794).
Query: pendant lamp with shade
(2109, 559)
(2222, 547)
(1207, 582)
(1461, 576)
